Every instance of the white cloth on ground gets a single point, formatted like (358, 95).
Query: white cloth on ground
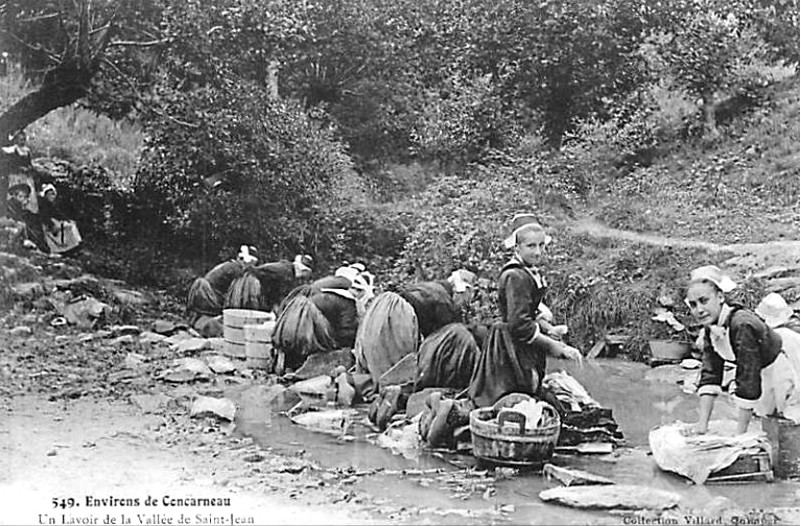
(698, 456)
(532, 410)
(568, 390)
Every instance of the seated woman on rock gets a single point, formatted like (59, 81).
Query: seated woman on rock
(60, 232)
(513, 358)
(17, 205)
(765, 382)
(321, 319)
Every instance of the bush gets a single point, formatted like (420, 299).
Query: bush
(240, 167)
(464, 120)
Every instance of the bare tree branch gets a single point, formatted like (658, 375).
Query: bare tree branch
(148, 43)
(39, 49)
(101, 28)
(141, 99)
(39, 18)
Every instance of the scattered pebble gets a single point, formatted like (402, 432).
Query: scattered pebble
(21, 331)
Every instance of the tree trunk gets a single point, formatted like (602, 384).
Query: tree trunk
(710, 123)
(60, 89)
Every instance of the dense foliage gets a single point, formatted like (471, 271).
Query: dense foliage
(282, 123)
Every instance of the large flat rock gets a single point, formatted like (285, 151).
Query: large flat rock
(625, 497)
(324, 363)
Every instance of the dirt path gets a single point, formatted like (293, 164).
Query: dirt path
(746, 257)
(106, 449)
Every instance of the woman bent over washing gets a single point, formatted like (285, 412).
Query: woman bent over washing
(764, 381)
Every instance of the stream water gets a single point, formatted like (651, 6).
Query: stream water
(638, 404)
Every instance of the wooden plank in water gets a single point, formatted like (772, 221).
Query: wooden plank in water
(750, 467)
(574, 477)
(587, 448)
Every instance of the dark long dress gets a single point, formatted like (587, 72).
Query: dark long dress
(510, 360)
(206, 294)
(340, 311)
(432, 301)
(314, 320)
(446, 358)
(33, 225)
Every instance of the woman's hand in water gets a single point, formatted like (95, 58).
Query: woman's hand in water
(571, 353)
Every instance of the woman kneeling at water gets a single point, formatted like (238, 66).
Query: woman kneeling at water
(514, 356)
(764, 382)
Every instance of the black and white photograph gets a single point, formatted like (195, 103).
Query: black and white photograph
(444, 262)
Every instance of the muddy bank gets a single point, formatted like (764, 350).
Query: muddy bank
(100, 449)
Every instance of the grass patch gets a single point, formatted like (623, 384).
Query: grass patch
(742, 187)
(85, 137)
(604, 286)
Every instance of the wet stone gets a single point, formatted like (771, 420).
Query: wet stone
(150, 403)
(85, 312)
(124, 330)
(612, 497)
(164, 327)
(259, 399)
(187, 370)
(151, 337)
(134, 360)
(331, 421)
(120, 376)
(178, 337)
(221, 408)
(319, 364)
(220, 364)
(190, 345)
(321, 387)
(131, 297)
(209, 327)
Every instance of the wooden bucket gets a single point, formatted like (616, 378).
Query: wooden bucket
(234, 322)
(669, 350)
(493, 441)
(783, 435)
(259, 345)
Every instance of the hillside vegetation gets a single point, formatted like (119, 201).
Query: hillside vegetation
(406, 135)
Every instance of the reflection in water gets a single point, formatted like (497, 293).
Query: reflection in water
(638, 406)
